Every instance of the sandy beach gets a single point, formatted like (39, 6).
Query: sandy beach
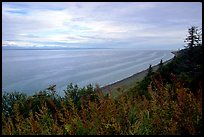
(127, 82)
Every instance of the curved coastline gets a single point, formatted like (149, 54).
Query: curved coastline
(132, 79)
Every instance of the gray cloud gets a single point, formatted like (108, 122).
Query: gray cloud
(132, 23)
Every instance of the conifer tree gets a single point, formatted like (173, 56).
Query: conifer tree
(160, 64)
(193, 39)
(149, 70)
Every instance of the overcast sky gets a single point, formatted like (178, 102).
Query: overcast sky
(140, 25)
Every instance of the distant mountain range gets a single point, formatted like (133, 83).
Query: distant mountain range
(45, 48)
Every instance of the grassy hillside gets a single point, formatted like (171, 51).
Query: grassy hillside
(168, 101)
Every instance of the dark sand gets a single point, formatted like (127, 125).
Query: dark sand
(127, 82)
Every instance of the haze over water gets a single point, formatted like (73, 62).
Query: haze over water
(30, 71)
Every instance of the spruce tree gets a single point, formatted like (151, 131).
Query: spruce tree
(160, 64)
(150, 70)
(193, 39)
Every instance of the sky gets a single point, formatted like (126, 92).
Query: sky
(138, 25)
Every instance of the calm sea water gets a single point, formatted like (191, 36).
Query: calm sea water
(30, 71)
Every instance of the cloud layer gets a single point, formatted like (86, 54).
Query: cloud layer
(100, 25)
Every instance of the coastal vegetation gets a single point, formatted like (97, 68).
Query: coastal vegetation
(167, 102)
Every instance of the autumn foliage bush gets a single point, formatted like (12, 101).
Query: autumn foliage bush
(172, 109)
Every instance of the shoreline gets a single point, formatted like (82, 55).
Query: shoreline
(118, 85)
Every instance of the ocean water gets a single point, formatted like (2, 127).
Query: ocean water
(30, 71)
